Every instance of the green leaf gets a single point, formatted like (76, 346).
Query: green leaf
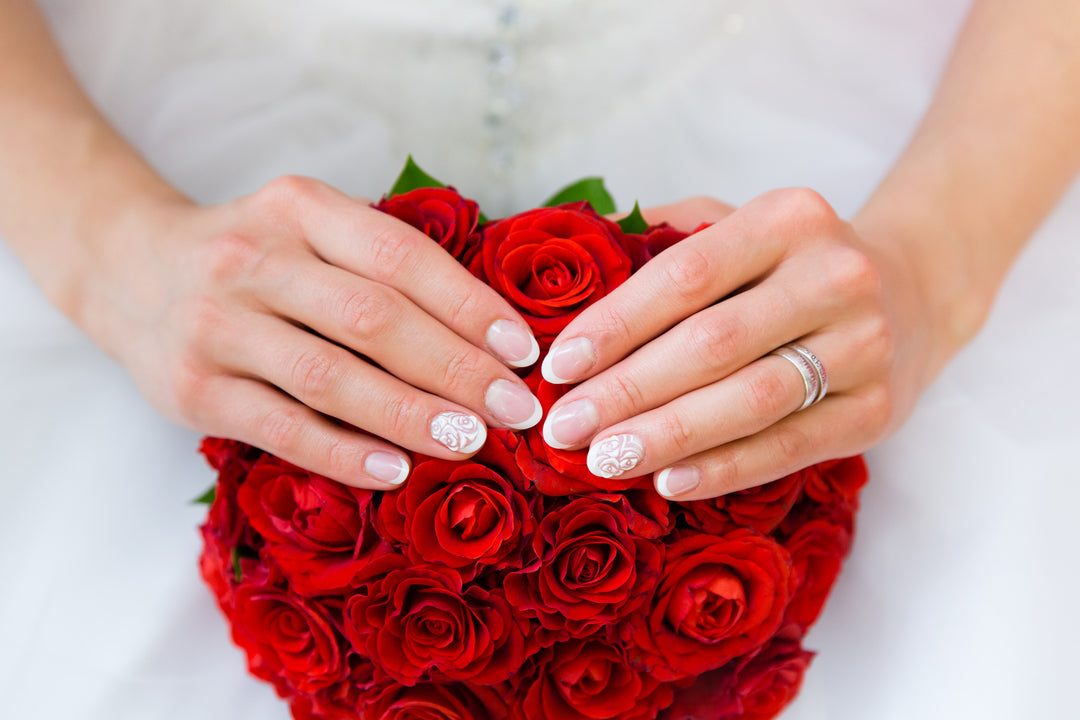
(589, 189)
(634, 222)
(241, 551)
(207, 498)
(411, 178)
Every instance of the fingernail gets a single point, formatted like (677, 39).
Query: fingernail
(572, 424)
(387, 467)
(677, 480)
(616, 455)
(569, 361)
(459, 432)
(513, 343)
(512, 404)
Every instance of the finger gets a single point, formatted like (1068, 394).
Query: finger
(695, 273)
(754, 398)
(335, 382)
(252, 412)
(705, 347)
(688, 215)
(374, 245)
(384, 325)
(841, 426)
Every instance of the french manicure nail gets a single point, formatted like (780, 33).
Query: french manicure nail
(387, 467)
(616, 455)
(512, 404)
(459, 432)
(569, 361)
(513, 343)
(571, 425)
(677, 480)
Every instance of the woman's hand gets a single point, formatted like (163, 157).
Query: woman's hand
(676, 363)
(264, 318)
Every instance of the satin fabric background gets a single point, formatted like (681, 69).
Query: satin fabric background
(958, 599)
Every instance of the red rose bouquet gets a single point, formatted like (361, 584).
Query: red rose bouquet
(516, 584)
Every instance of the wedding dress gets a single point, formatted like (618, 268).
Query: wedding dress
(958, 600)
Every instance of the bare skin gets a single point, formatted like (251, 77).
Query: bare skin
(181, 294)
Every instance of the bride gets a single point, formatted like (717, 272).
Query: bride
(181, 231)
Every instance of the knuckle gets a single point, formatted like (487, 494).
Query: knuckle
(622, 386)
(187, 390)
(341, 458)
(879, 410)
(767, 394)
(232, 255)
(389, 252)
(313, 375)
(880, 343)
(677, 433)
(809, 206)
(462, 370)
(854, 275)
(716, 341)
(286, 191)
(368, 313)
(707, 206)
(282, 428)
(613, 324)
(724, 474)
(690, 272)
(397, 413)
(463, 309)
(792, 445)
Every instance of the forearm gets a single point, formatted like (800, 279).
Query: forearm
(67, 178)
(996, 149)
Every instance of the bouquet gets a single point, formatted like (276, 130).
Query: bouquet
(516, 584)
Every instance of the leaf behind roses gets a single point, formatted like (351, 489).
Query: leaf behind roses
(411, 178)
(207, 498)
(634, 223)
(590, 190)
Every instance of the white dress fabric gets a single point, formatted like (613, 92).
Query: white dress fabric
(958, 600)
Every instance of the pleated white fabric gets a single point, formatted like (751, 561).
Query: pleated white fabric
(958, 600)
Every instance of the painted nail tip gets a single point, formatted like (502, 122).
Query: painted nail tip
(534, 355)
(538, 412)
(552, 441)
(401, 475)
(548, 374)
(662, 483)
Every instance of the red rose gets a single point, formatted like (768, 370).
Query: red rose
(562, 472)
(818, 549)
(590, 569)
(318, 531)
(417, 623)
(761, 508)
(465, 515)
(758, 687)
(287, 636)
(436, 702)
(344, 700)
(719, 598)
(836, 480)
(441, 214)
(552, 263)
(230, 543)
(588, 680)
(221, 452)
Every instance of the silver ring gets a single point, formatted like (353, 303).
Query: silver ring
(823, 377)
(815, 379)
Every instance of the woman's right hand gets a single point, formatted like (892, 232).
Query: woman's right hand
(265, 318)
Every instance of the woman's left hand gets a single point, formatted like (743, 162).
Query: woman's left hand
(675, 368)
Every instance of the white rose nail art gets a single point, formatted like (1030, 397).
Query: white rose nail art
(458, 432)
(613, 456)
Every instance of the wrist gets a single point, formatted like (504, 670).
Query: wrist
(947, 293)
